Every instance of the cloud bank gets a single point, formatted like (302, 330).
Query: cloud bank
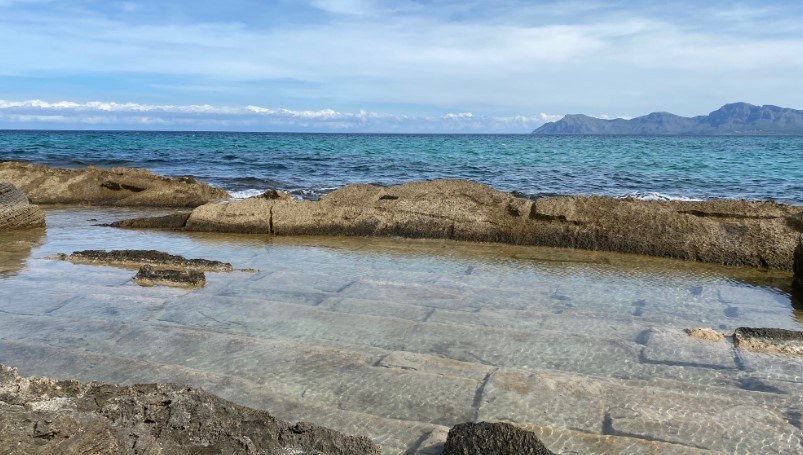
(112, 115)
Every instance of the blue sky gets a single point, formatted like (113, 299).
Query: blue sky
(403, 66)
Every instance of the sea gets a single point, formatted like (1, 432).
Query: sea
(310, 165)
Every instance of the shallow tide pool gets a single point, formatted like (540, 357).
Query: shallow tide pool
(400, 339)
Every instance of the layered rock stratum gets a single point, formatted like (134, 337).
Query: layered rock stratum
(109, 187)
(46, 416)
(755, 234)
(16, 212)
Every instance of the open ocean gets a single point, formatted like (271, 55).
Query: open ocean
(308, 165)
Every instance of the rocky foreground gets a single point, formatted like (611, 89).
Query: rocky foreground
(40, 415)
(109, 187)
(755, 234)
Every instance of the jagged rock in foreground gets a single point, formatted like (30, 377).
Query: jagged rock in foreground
(44, 416)
(497, 438)
(775, 341)
(16, 212)
(138, 258)
(113, 187)
(149, 276)
(705, 334)
(756, 234)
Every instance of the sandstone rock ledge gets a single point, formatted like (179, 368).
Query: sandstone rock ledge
(16, 212)
(756, 234)
(44, 416)
(110, 187)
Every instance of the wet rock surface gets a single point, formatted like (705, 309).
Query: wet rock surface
(150, 276)
(797, 283)
(778, 341)
(16, 212)
(40, 415)
(497, 438)
(171, 221)
(112, 187)
(756, 234)
(138, 258)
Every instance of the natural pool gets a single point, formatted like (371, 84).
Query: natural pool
(400, 339)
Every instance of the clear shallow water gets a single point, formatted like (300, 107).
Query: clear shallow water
(398, 339)
(311, 164)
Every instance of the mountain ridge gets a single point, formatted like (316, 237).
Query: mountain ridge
(737, 119)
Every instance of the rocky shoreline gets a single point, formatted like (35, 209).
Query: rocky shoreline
(741, 233)
(106, 187)
(41, 415)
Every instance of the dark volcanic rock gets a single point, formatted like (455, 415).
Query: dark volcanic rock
(15, 210)
(778, 341)
(116, 187)
(498, 438)
(731, 119)
(138, 258)
(149, 276)
(44, 416)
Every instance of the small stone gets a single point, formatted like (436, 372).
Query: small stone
(149, 276)
(496, 438)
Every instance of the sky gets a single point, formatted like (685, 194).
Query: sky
(387, 66)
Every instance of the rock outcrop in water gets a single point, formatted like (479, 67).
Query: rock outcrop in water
(764, 340)
(40, 415)
(756, 234)
(730, 119)
(139, 258)
(16, 212)
(496, 438)
(112, 187)
(150, 276)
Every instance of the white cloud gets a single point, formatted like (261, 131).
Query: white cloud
(33, 113)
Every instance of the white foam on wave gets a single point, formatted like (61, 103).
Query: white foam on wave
(655, 196)
(242, 194)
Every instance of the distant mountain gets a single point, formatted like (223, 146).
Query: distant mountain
(730, 119)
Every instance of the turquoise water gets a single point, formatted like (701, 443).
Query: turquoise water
(309, 165)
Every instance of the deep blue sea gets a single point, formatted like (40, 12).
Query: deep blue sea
(308, 165)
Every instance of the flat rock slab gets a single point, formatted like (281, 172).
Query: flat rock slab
(138, 258)
(108, 187)
(496, 438)
(779, 341)
(70, 417)
(149, 276)
(16, 212)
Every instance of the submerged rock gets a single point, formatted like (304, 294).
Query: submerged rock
(40, 415)
(16, 212)
(774, 341)
(115, 187)
(138, 258)
(149, 276)
(705, 334)
(497, 438)
(756, 234)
